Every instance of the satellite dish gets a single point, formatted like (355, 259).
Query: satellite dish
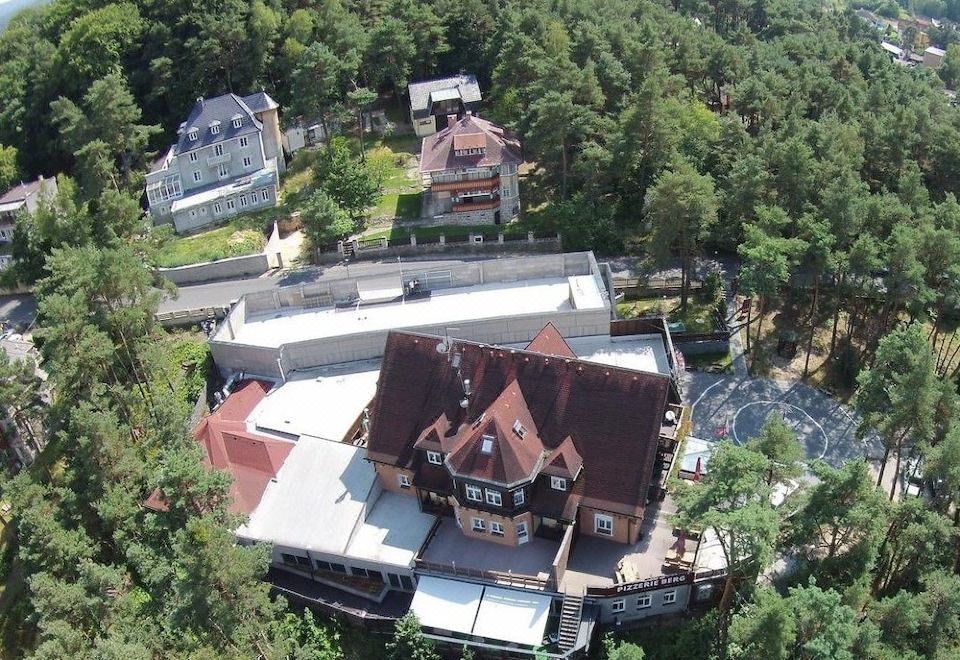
(441, 348)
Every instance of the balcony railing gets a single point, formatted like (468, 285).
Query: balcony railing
(487, 184)
(465, 176)
(477, 206)
(212, 161)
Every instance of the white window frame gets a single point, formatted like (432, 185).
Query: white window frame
(523, 533)
(434, 457)
(518, 498)
(618, 605)
(197, 176)
(477, 524)
(669, 597)
(496, 528)
(247, 161)
(606, 529)
(237, 122)
(403, 481)
(215, 128)
(193, 134)
(243, 200)
(474, 493)
(558, 483)
(194, 156)
(217, 208)
(493, 497)
(223, 171)
(243, 141)
(231, 205)
(644, 601)
(265, 195)
(218, 149)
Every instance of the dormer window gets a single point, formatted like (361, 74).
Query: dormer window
(558, 483)
(214, 127)
(486, 446)
(494, 497)
(434, 457)
(193, 134)
(237, 121)
(519, 429)
(518, 499)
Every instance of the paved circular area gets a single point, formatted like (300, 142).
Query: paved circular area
(738, 407)
(752, 416)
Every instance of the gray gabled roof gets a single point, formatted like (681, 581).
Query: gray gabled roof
(465, 83)
(218, 109)
(260, 102)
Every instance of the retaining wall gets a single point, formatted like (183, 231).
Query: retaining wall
(488, 246)
(211, 271)
(276, 362)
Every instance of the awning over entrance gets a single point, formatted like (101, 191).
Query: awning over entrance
(493, 613)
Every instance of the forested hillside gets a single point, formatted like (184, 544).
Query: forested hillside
(773, 127)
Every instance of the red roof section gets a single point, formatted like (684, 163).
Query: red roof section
(611, 415)
(508, 434)
(549, 341)
(250, 458)
(438, 153)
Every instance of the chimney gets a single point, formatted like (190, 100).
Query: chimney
(200, 101)
(451, 120)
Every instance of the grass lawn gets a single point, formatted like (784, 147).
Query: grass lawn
(235, 239)
(395, 163)
(699, 316)
(403, 206)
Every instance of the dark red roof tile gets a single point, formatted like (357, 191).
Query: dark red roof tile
(612, 415)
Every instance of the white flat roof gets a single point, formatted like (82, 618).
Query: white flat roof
(318, 500)
(490, 612)
(393, 531)
(640, 352)
(512, 616)
(445, 306)
(446, 604)
(324, 403)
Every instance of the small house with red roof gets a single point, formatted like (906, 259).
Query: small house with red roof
(470, 170)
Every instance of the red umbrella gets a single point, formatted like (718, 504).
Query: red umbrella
(698, 471)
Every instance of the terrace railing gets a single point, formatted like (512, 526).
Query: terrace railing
(499, 577)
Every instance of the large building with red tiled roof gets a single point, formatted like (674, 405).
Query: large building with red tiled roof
(471, 170)
(515, 442)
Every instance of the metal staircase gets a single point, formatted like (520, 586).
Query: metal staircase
(570, 615)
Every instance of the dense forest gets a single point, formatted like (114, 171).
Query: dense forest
(776, 128)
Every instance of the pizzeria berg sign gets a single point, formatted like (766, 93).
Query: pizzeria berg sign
(644, 585)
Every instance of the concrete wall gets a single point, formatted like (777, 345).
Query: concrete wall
(266, 361)
(630, 601)
(211, 271)
(489, 245)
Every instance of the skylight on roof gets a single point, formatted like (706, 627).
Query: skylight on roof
(487, 445)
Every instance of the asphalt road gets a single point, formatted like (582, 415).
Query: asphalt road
(223, 293)
(19, 310)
